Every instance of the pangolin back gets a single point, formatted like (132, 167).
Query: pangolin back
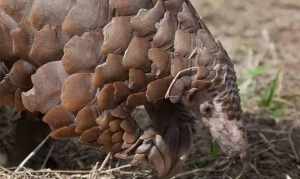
(86, 65)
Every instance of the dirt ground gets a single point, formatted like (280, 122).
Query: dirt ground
(263, 40)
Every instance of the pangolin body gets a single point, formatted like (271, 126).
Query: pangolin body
(87, 64)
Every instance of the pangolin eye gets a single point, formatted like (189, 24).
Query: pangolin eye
(206, 109)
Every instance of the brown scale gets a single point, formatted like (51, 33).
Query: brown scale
(92, 64)
(77, 91)
(144, 22)
(38, 37)
(116, 133)
(111, 70)
(90, 43)
(112, 94)
(16, 81)
(42, 98)
(117, 35)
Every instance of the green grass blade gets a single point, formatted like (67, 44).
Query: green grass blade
(268, 96)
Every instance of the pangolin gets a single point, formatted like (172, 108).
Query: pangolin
(87, 64)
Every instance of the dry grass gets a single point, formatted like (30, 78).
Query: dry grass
(94, 173)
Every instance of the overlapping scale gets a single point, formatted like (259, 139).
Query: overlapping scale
(87, 65)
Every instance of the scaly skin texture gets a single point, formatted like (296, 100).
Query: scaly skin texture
(212, 93)
(219, 104)
(88, 67)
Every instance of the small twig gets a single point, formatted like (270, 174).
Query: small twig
(105, 161)
(241, 173)
(293, 145)
(272, 147)
(93, 172)
(267, 131)
(255, 169)
(47, 157)
(288, 177)
(57, 171)
(178, 75)
(227, 168)
(264, 138)
(75, 171)
(58, 176)
(261, 152)
(5, 170)
(117, 168)
(34, 152)
(213, 168)
(261, 141)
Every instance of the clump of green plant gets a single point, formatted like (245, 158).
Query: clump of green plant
(248, 83)
(267, 98)
(270, 99)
